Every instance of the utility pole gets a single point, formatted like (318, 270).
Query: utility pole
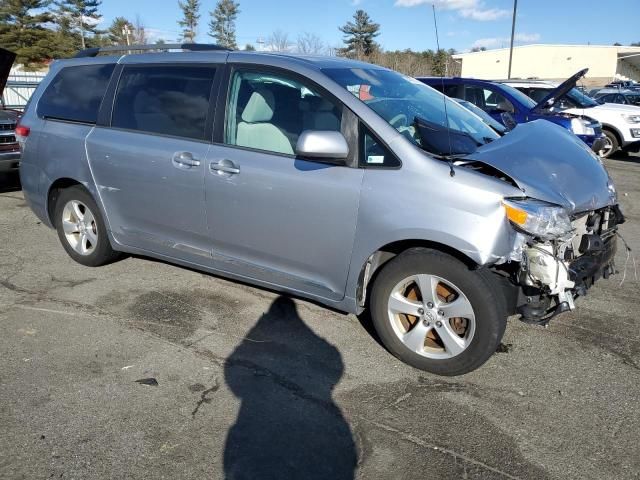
(513, 32)
(126, 31)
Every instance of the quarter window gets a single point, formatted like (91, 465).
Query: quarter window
(269, 112)
(75, 93)
(166, 100)
(373, 153)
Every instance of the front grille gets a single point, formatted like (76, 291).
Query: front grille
(7, 139)
(7, 126)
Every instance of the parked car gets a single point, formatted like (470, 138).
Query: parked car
(618, 84)
(620, 123)
(506, 104)
(623, 97)
(484, 116)
(325, 178)
(9, 148)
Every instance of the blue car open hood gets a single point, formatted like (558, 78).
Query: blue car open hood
(549, 163)
(560, 91)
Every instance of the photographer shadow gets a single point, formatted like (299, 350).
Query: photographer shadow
(288, 425)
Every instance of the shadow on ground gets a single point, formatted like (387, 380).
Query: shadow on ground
(9, 182)
(288, 425)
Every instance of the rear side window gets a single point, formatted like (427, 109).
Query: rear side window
(75, 93)
(166, 99)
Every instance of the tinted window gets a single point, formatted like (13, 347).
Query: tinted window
(488, 100)
(75, 93)
(168, 99)
(269, 112)
(373, 153)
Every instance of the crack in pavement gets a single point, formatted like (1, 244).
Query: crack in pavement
(204, 399)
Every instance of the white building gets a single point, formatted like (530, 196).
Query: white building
(555, 62)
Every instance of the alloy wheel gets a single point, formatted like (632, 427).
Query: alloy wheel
(80, 228)
(431, 316)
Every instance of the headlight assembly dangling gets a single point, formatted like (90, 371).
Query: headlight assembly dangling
(539, 219)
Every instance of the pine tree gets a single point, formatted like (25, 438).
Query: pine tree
(67, 42)
(83, 15)
(23, 31)
(360, 36)
(222, 26)
(121, 31)
(189, 22)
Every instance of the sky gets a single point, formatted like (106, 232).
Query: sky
(462, 24)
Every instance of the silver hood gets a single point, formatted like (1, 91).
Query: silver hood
(549, 163)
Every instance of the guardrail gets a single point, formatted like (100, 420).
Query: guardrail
(19, 89)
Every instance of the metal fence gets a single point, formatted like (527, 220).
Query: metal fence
(20, 87)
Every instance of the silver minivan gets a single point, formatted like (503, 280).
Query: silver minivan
(326, 178)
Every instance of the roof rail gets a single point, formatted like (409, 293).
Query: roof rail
(191, 47)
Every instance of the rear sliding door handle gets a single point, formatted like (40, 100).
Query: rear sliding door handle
(224, 166)
(185, 159)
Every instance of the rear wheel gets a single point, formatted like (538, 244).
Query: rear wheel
(81, 229)
(434, 313)
(611, 145)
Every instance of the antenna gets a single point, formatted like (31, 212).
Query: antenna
(452, 172)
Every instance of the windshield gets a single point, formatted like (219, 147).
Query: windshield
(486, 118)
(580, 99)
(415, 110)
(574, 98)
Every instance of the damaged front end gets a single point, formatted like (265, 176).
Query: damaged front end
(556, 268)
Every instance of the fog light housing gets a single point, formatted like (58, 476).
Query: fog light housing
(635, 132)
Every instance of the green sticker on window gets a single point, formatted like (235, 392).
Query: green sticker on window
(376, 159)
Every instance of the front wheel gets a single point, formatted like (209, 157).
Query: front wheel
(611, 145)
(434, 313)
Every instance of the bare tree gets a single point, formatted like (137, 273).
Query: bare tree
(310, 43)
(279, 41)
(139, 32)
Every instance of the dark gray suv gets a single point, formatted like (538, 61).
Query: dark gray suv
(327, 178)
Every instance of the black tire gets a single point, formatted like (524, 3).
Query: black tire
(615, 145)
(477, 285)
(101, 253)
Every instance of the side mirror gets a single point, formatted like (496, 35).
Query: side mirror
(322, 144)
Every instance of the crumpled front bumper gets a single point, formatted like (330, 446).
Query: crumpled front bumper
(591, 266)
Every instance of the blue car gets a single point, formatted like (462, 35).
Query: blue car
(510, 106)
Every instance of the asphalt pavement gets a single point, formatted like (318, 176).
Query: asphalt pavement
(143, 370)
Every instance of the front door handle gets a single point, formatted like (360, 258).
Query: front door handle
(224, 166)
(185, 159)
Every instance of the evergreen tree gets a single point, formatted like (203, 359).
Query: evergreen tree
(67, 42)
(189, 22)
(360, 36)
(23, 31)
(121, 31)
(222, 26)
(83, 16)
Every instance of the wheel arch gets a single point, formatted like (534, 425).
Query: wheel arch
(615, 131)
(54, 192)
(374, 262)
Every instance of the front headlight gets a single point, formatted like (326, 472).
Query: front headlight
(539, 219)
(631, 118)
(580, 126)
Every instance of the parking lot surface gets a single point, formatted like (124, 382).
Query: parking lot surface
(146, 370)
